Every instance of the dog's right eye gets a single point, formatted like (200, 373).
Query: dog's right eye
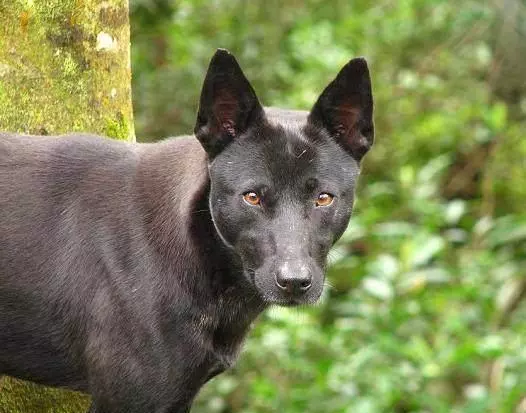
(252, 198)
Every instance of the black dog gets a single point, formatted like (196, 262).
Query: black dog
(133, 272)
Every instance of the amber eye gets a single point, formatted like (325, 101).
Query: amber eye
(324, 199)
(252, 198)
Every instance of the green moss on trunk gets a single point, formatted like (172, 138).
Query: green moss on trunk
(18, 396)
(64, 66)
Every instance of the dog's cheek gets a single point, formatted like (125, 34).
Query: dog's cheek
(327, 228)
(230, 219)
(226, 224)
(340, 219)
(255, 246)
(341, 224)
(224, 219)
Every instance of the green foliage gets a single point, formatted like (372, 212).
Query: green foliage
(424, 311)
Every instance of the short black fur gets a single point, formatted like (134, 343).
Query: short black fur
(133, 272)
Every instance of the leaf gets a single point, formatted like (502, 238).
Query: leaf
(495, 118)
(378, 288)
(353, 232)
(418, 280)
(454, 211)
(394, 229)
(507, 230)
(425, 250)
(508, 293)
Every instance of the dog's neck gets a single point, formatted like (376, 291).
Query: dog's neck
(173, 187)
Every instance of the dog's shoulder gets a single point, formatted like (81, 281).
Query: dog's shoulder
(175, 153)
(41, 149)
(62, 165)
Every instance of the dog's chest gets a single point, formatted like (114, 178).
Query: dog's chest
(225, 324)
(220, 346)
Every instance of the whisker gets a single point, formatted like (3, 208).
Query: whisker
(330, 286)
(301, 154)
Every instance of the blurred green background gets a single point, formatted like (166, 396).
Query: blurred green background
(426, 308)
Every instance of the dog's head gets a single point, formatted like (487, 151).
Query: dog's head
(282, 182)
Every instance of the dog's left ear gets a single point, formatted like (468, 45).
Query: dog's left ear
(345, 109)
(228, 104)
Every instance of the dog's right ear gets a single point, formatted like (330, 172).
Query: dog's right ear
(228, 104)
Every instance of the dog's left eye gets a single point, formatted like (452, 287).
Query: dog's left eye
(252, 198)
(324, 199)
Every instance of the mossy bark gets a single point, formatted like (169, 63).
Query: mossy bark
(64, 66)
(18, 396)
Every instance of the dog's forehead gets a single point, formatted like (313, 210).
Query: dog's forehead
(294, 149)
(284, 152)
(287, 150)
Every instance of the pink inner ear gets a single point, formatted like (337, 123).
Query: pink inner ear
(346, 116)
(228, 126)
(226, 110)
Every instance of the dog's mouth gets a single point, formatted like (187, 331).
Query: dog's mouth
(273, 296)
(292, 302)
(289, 301)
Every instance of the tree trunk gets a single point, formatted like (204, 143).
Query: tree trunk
(64, 66)
(508, 80)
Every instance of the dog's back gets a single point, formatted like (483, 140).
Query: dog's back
(50, 186)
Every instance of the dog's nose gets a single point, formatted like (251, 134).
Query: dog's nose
(294, 279)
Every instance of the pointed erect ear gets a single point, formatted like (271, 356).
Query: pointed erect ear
(228, 104)
(345, 109)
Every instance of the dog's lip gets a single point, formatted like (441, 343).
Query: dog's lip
(292, 303)
(287, 302)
